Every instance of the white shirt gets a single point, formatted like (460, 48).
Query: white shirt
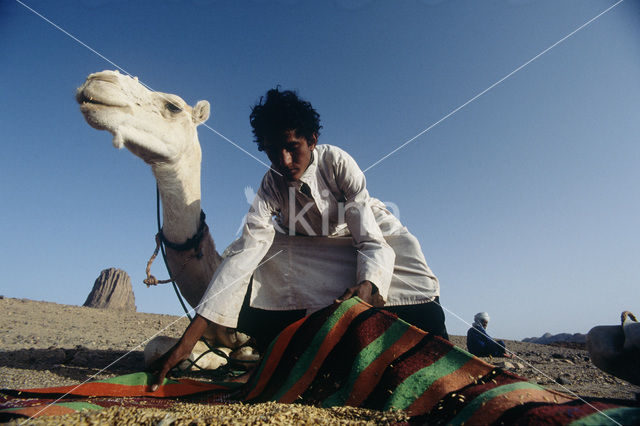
(304, 269)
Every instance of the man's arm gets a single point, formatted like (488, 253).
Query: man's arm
(376, 258)
(180, 351)
(222, 301)
(223, 298)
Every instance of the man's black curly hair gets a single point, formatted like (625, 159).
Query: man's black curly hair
(281, 111)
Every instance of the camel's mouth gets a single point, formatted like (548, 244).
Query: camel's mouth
(94, 105)
(99, 92)
(86, 100)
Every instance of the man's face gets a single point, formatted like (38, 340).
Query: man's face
(291, 154)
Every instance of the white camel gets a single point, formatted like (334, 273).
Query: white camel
(200, 357)
(615, 349)
(160, 129)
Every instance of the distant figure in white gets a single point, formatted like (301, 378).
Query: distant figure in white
(479, 343)
(615, 349)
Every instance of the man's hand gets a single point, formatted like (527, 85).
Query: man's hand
(366, 291)
(179, 352)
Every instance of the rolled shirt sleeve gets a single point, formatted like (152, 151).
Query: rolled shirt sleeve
(223, 299)
(376, 258)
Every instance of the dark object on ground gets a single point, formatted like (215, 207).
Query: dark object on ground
(605, 344)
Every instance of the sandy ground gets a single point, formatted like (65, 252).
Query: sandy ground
(48, 344)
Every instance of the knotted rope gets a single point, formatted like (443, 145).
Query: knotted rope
(152, 280)
(192, 243)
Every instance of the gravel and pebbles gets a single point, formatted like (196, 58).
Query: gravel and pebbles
(48, 344)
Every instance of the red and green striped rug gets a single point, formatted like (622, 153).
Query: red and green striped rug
(349, 354)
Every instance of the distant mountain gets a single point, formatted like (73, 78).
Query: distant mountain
(548, 338)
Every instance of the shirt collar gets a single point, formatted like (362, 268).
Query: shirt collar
(309, 175)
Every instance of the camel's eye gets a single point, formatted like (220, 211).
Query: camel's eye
(173, 107)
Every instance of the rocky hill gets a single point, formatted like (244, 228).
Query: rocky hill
(548, 338)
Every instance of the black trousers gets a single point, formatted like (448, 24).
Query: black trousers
(265, 325)
(426, 316)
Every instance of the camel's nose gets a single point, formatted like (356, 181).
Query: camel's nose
(82, 92)
(108, 76)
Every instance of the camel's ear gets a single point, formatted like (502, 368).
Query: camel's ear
(200, 112)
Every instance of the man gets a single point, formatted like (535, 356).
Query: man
(313, 194)
(480, 343)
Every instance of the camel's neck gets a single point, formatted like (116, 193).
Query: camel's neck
(179, 186)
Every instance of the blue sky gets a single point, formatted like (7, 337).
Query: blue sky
(525, 201)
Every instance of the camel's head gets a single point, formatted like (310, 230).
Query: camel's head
(157, 127)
